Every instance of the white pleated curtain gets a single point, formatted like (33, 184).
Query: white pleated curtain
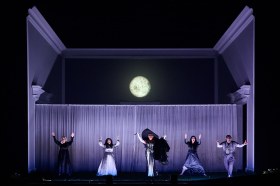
(89, 122)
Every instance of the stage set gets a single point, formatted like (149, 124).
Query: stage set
(63, 81)
(142, 179)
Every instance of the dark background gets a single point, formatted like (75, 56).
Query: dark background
(106, 81)
(137, 25)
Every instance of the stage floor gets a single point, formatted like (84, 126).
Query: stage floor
(215, 178)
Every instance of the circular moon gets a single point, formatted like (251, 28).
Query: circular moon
(139, 86)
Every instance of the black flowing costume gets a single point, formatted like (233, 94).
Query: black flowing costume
(64, 164)
(156, 149)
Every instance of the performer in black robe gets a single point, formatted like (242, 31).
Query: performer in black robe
(64, 163)
(155, 150)
(160, 150)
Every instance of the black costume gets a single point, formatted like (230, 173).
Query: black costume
(161, 148)
(192, 162)
(156, 149)
(64, 164)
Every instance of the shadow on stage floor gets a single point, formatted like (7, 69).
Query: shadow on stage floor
(142, 179)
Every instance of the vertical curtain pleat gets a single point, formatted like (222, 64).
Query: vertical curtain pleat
(90, 122)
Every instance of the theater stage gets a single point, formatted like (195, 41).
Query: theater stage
(215, 178)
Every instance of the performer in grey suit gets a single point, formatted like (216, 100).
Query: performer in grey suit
(229, 147)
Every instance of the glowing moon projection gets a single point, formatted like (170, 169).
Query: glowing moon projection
(139, 86)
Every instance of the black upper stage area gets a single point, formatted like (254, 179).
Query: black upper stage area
(185, 24)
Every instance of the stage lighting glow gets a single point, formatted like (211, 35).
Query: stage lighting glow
(140, 86)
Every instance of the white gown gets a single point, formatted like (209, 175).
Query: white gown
(108, 164)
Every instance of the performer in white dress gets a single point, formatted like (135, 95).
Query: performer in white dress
(108, 164)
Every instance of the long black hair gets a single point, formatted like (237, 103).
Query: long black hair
(107, 145)
(190, 144)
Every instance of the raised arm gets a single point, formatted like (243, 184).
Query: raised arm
(241, 145)
(55, 140)
(100, 143)
(140, 138)
(199, 139)
(71, 139)
(118, 142)
(219, 145)
(185, 139)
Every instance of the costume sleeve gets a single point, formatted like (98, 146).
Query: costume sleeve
(199, 141)
(219, 145)
(117, 144)
(239, 145)
(56, 141)
(101, 144)
(71, 141)
(140, 138)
